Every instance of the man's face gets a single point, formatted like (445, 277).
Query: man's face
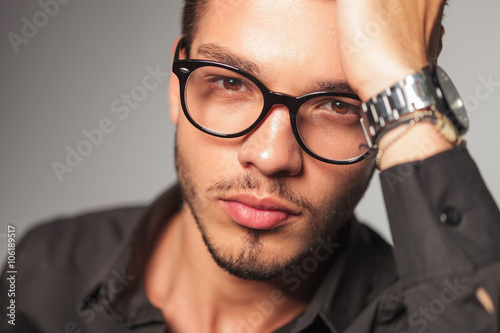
(259, 200)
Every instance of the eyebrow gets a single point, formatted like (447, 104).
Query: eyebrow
(336, 86)
(222, 54)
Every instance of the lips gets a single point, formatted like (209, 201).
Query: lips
(259, 213)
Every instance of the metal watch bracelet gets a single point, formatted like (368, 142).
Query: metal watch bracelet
(414, 92)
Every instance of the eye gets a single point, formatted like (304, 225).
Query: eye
(230, 83)
(340, 107)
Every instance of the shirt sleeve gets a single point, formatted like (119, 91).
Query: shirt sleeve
(446, 232)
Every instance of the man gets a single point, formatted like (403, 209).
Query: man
(259, 236)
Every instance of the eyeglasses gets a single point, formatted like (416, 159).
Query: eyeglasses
(223, 101)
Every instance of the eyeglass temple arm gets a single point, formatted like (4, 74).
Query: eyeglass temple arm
(178, 48)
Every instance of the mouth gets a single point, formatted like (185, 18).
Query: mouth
(259, 213)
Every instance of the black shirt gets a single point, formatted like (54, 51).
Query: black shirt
(84, 274)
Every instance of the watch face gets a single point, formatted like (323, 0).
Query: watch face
(457, 113)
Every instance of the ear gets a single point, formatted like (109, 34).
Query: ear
(436, 40)
(436, 46)
(174, 91)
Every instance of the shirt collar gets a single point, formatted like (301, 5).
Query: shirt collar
(367, 268)
(119, 286)
(361, 270)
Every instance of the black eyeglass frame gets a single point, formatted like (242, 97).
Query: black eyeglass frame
(183, 68)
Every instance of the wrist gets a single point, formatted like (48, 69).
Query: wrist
(392, 115)
(421, 141)
(380, 77)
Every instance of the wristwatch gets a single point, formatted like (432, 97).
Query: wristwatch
(430, 89)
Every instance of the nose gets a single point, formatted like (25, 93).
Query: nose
(271, 147)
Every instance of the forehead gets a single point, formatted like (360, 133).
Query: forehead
(283, 37)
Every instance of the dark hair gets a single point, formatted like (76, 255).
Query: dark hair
(191, 15)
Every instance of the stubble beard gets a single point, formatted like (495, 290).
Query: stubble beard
(248, 263)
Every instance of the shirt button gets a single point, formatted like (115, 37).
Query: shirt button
(451, 216)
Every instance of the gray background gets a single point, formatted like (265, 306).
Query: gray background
(91, 52)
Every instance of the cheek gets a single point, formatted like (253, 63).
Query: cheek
(350, 175)
(209, 158)
(327, 184)
(353, 179)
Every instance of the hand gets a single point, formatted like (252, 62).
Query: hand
(382, 41)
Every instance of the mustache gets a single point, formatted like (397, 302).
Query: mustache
(277, 187)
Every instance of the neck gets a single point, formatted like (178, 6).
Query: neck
(219, 301)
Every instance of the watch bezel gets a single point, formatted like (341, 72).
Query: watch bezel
(455, 106)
